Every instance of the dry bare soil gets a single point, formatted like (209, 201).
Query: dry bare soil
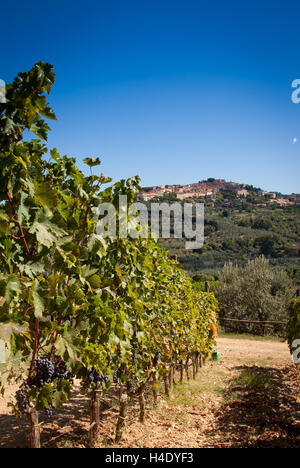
(249, 398)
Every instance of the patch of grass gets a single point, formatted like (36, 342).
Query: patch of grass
(186, 394)
(257, 362)
(210, 382)
(246, 336)
(231, 396)
(249, 378)
(68, 443)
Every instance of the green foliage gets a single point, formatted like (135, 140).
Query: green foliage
(254, 292)
(200, 285)
(293, 327)
(234, 238)
(262, 223)
(270, 245)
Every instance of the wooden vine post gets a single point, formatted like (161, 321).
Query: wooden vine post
(166, 382)
(174, 374)
(142, 403)
(95, 416)
(154, 389)
(197, 362)
(122, 416)
(201, 360)
(34, 429)
(171, 378)
(187, 368)
(181, 372)
(194, 366)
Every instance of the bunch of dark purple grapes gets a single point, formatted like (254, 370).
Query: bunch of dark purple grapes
(61, 371)
(117, 375)
(134, 356)
(156, 357)
(131, 385)
(94, 377)
(22, 398)
(46, 371)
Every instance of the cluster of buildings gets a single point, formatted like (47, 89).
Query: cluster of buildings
(278, 199)
(209, 188)
(281, 201)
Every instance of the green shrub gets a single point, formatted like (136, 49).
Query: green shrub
(257, 292)
(293, 327)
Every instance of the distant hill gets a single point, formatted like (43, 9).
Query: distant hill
(210, 188)
(241, 222)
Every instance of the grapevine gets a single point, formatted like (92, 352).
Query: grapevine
(73, 305)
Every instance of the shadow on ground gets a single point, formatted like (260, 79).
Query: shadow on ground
(13, 431)
(262, 409)
(67, 428)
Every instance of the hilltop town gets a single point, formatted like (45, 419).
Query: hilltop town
(241, 223)
(208, 190)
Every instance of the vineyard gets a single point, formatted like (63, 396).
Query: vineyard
(76, 306)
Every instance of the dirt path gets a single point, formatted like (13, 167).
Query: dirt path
(234, 350)
(250, 398)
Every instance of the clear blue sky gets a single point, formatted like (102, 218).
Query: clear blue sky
(174, 91)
